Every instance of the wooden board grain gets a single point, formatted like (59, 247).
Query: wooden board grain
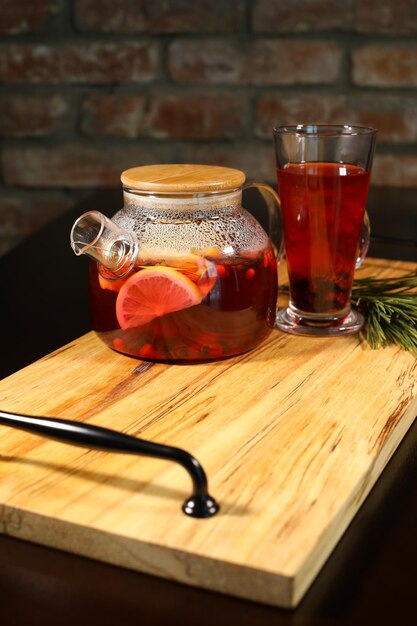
(292, 436)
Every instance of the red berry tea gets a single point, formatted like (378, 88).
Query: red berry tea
(197, 307)
(323, 208)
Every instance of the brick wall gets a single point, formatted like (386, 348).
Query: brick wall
(91, 87)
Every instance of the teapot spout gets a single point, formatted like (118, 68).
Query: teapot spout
(115, 249)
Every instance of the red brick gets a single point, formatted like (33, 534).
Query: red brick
(24, 212)
(114, 115)
(394, 170)
(301, 16)
(165, 116)
(30, 116)
(256, 159)
(159, 16)
(73, 165)
(256, 62)
(391, 17)
(118, 16)
(25, 16)
(94, 62)
(198, 117)
(394, 117)
(385, 65)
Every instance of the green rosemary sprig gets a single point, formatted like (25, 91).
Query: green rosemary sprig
(389, 306)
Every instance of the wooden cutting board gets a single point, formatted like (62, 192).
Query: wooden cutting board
(292, 436)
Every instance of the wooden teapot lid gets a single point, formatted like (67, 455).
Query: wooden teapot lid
(182, 178)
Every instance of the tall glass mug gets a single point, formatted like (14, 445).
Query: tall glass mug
(323, 179)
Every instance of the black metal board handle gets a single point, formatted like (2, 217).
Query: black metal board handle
(200, 504)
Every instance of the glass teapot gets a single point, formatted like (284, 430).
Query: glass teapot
(182, 272)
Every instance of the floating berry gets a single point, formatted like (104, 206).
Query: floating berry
(119, 345)
(250, 273)
(147, 351)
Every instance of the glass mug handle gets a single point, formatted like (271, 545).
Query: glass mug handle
(364, 240)
(273, 204)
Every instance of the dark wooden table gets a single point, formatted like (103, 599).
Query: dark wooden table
(371, 577)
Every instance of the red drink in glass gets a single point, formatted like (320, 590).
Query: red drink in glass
(323, 179)
(323, 207)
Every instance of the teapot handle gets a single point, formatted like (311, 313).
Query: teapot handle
(273, 204)
(363, 241)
